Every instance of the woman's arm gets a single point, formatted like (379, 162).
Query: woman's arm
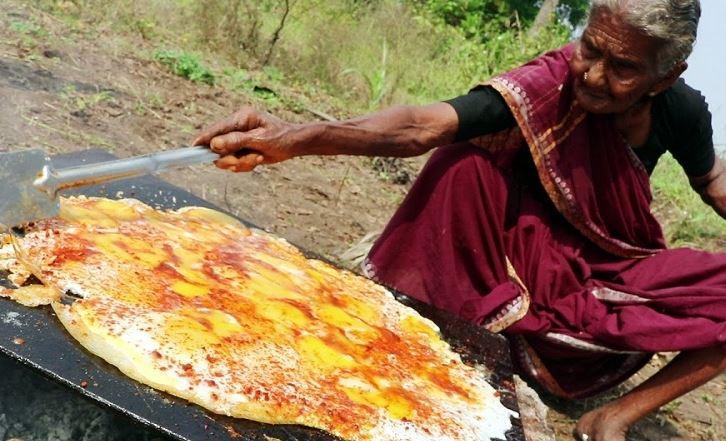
(250, 137)
(712, 187)
(685, 124)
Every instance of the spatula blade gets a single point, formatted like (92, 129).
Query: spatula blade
(20, 201)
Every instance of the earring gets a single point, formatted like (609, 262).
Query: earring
(584, 76)
(652, 94)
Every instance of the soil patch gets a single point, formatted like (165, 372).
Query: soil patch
(22, 76)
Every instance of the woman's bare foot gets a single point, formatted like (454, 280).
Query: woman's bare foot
(601, 424)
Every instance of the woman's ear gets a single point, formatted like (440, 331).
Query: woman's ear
(669, 79)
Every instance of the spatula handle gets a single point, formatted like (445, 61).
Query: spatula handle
(51, 181)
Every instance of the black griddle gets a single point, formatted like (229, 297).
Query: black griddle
(36, 338)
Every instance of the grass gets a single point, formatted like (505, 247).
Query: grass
(369, 54)
(30, 37)
(687, 221)
(25, 28)
(78, 102)
(376, 81)
(185, 65)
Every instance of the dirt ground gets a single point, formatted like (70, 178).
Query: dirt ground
(67, 88)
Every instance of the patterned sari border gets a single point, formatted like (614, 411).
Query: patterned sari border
(613, 296)
(535, 368)
(555, 186)
(569, 341)
(513, 311)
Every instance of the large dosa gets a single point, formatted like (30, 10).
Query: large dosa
(193, 303)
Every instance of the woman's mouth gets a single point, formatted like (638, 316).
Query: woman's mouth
(598, 96)
(585, 93)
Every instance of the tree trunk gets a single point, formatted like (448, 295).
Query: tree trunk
(276, 35)
(544, 17)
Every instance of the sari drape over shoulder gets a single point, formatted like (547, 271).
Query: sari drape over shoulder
(545, 233)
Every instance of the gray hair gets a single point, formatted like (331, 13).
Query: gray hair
(674, 22)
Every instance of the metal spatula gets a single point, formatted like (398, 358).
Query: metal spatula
(29, 184)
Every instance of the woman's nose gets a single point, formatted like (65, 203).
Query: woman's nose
(595, 76)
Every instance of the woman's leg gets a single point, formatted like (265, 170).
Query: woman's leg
(689, 370)
(445, 244)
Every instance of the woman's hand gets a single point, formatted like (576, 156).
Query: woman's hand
(249, 138)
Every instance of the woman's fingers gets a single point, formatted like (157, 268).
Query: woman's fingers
(245, 119)
(234, 141)
(216, 129)
(243, 163)
(246, 139)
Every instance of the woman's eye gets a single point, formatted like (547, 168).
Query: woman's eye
(588, 51)
(624, 67)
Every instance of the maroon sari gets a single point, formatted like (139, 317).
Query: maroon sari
(544, 233)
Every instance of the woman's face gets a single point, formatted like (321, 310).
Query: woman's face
(614, 65)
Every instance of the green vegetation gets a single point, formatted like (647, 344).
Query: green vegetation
(77, 102)
(22, 27)
(185, 65)
(484, 20)
(370, 53)
(687, 221)
(376, 80)
(29, 36)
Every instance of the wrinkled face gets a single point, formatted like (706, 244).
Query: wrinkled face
(614, 65)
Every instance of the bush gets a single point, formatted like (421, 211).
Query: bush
(369, 54)
(185, 65)
(386, 52)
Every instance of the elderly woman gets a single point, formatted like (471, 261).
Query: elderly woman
(533, 219)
